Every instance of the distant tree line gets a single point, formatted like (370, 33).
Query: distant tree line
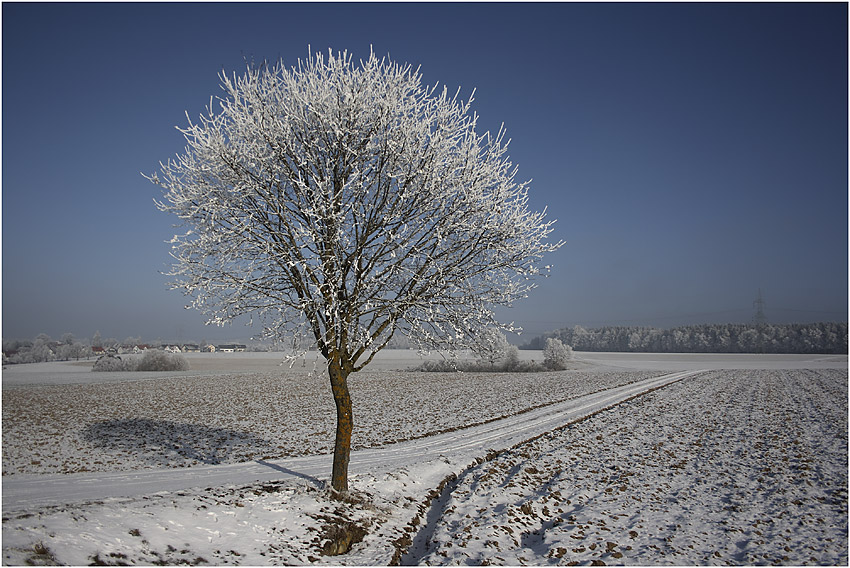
(43, 348)
(823, 337)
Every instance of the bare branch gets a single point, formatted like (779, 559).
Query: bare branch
(352, 199)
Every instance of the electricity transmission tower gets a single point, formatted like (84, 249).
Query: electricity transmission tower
(760, 320)
(758, 304)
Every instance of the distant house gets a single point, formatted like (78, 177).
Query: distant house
(172, 349)
(231, 348)
(209, 349)
(141, 348)
(190, 348)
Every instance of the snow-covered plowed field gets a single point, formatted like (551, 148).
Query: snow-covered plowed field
(203, 420)
(746, 467)
(720, 467)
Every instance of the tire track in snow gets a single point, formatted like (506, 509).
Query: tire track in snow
(740, 467)
(414, 546)
(32, 491)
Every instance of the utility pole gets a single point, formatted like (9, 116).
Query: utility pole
(760, 320)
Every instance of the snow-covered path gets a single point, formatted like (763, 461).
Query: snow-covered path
(22, 492)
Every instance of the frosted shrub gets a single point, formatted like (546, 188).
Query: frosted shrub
(492, 346)
(556, 355)
(511, 358)
(108, 363)
(508, 363)
(155, 360)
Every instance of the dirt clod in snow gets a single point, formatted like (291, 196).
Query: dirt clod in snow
(341, 536)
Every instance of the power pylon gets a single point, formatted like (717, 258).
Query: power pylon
(758, 304)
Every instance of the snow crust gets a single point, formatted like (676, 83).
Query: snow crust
(743, 466)
(724, 468)
(188, 421)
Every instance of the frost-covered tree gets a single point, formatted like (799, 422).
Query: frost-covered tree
(556, 355)
(823, 337)
(355, 201)
(491, 346)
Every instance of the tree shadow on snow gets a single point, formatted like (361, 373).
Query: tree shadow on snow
(164, 443)
(291, 472)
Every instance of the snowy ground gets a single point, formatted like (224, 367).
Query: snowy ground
(192, 420)
(719, 468)
(724, 468)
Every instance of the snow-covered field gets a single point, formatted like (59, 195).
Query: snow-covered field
(723, 468)
(265, 414)
(743, 466)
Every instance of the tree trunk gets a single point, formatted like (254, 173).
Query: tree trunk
(344, 426)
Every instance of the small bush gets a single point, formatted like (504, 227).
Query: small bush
(109, 363)
(441, 366)
(152, 360)
(556, 355)
(511, 358)
(492, 346)
(512, 364)
(155, 360)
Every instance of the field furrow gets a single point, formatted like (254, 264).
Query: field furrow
(207, 420)
(730, 467)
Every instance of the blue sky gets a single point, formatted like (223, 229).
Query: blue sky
(691, 153)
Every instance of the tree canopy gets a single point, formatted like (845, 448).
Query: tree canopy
(353, 202)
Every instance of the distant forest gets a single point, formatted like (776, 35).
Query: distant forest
(825, 338)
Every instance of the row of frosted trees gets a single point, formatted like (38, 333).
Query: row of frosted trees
(823, 337)
(43, 348)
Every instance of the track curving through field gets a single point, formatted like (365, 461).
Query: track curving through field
(26, 492)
